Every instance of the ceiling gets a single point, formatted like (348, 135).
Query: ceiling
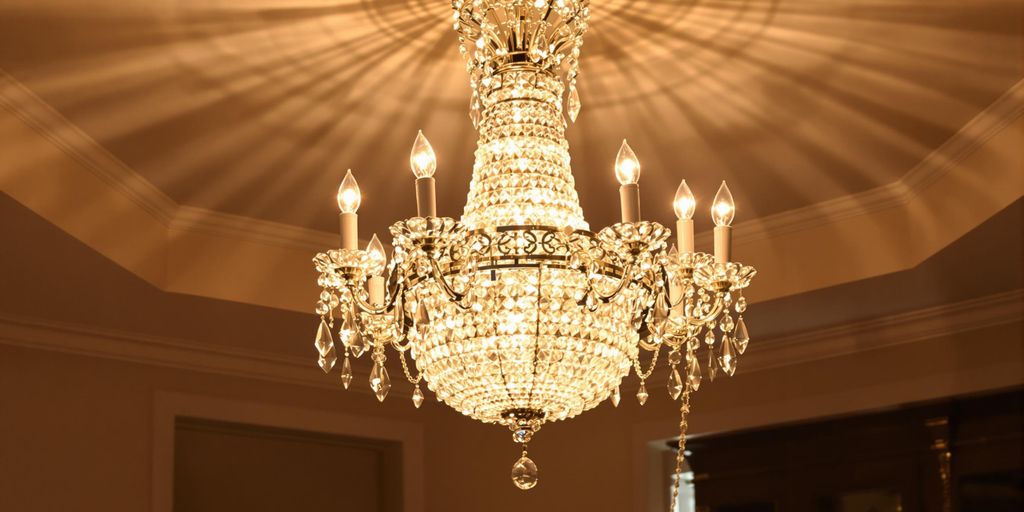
(256, 108)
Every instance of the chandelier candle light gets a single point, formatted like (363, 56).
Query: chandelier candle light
(517, 313)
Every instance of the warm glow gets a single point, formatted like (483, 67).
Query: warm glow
(627, 167)
(723, 209)
(684, 203)
(375, 255)
(422, 158)
(348, 194)
(516, 313)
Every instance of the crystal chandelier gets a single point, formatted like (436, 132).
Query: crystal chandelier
(518, 314)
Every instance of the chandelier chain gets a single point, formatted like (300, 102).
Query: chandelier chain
(684, 411)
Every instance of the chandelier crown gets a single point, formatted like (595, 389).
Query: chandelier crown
(542, 35)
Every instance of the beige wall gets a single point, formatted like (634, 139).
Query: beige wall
(78, 433)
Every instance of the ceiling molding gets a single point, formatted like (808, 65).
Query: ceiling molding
(877, 333)
(885, 331)
(69, 179)
(48, 122)
(44, 119)
(51, 124)
(172, 353)
(856, 337)
(996, 117)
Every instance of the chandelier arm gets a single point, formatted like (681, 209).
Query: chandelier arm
(715, 311)
(396, 342)
(452, 294)
(366, 307)
(625, 279)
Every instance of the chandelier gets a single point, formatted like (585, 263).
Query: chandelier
(517, 313)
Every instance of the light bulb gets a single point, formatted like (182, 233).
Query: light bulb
(627, 167)
(348, 194)
(723, 209)
(422, 158)
(684, 203)
(375, 256)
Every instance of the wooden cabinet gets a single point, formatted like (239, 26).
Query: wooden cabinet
(889, 461)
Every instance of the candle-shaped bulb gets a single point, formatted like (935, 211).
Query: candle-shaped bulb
(723, 209)
(375, 256)
(422, 158)
(684, 203)
(627, 167)
(348, 194)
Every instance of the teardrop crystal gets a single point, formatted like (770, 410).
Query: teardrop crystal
(380, 382)
(324, 342)
(399, 313)
(616, 397)
(357, 343)
(741, 304)
(742, 336)
(346, 373)
(709, 338)
(675, 384)
(524, 473)
(712, 366)
(641, 394)
(347, 327)
(660, 313)
(417, 397)
(693, 374)
(574, 104)
(327, 361)
(727, 360)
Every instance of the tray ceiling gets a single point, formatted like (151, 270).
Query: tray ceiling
(256, 108)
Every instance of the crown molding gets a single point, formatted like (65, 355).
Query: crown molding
(886, 331)
(892, 330)
(875, 333)
(973, 135)
(36, 113)
(181, 249)
(62, 133)
(168, 352)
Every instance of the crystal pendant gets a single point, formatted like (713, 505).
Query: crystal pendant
(474, 115)
(728, 358)
(741, 304)
(693, 373)
(712, 366)
(709, 338)
(524, 473)
(574, 103)
(346, 373)
(399, 313)
(675, 357)
(660, 313)
(616, 397)
(324, 342)
(417, 397)
(641, 394)
(380, 383)
(742, 336)
(327, 360)
(357, 343)
(675, 384)
(422, 317)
